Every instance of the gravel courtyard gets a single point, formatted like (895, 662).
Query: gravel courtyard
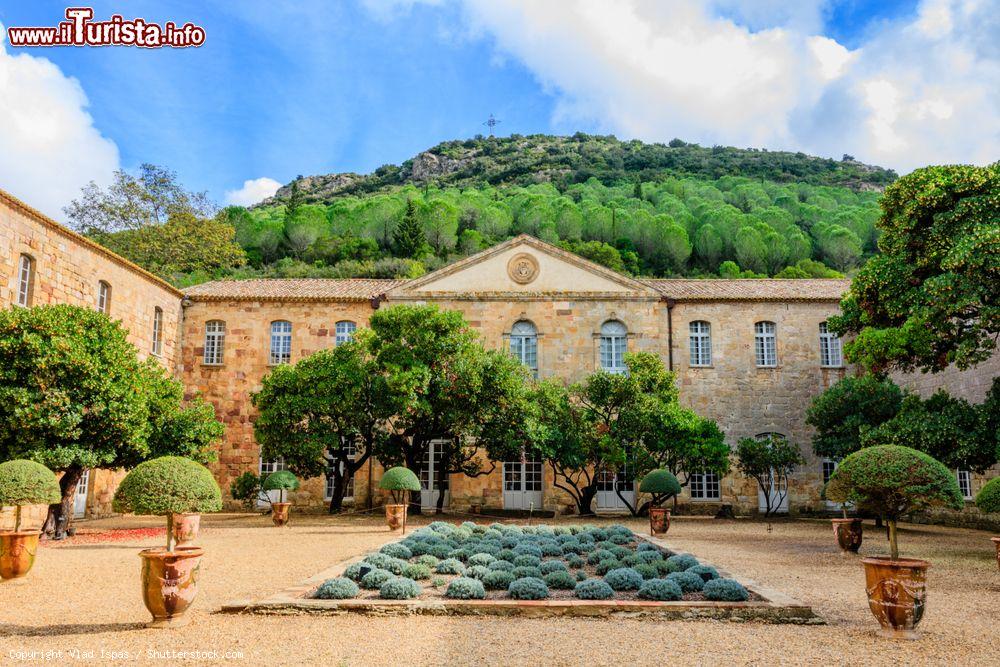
(83, 599)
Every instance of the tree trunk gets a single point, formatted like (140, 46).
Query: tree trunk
(585, 502)
(893, 546)
(337, 498)
(61, 514)
(442, 486)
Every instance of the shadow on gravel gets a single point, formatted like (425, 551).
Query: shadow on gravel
(11, 630)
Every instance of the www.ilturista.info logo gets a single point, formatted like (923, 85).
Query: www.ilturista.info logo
(80, 30)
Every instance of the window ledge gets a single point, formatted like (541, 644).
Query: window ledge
(707, 500)
(697, 366)
(207, 365)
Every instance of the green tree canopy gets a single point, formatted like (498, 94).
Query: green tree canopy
(845, 411)
(769, 461)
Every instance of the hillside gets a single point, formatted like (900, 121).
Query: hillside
(563, 161)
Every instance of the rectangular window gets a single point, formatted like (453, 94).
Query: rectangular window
(704, 486)
(614, 344)
(830, 348)
(352, 453)
(215, 342)
(965, 483)
(267, 467)
(701, 344)
(765, 345)
(157, 348)
(281, 343)
(104, 298)
(524, 345)
(829, 466)
(345, 332)
(25, 280)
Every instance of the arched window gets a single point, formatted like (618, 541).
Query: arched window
(345, 332)
(614, 344)
(25, 280)
(215, 342)
(765, 345)
(104, 297)
(281, 343)
(700, 334)
(157, 347)
(830, 351)
(524, 344)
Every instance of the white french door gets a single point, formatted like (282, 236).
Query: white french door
(776, 491)
(429, 471)
(608, 483)
(522, 484)
(80, 499)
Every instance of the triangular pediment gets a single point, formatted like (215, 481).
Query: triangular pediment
(523, 267)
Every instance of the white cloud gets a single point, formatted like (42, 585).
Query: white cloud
(253, 191)
(921, 90)
(49, 147)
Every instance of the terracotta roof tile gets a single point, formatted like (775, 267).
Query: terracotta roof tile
(750, 289)
(292, 289)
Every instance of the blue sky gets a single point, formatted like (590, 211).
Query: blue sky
(281, 89)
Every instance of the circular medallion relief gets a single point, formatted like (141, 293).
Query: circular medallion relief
(522, 268)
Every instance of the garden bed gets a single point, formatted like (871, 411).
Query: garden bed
(567, 570)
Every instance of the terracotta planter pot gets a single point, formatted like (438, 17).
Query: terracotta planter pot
(395, 516)
(17, 552)
(186, 528)
(170, 584)
(279, 513)
(996, 543)
(897, 593)
(659, 520)
(848, 533)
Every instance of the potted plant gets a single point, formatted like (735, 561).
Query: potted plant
(23, 483)
(988, 500)
(280, 481)
(893, 481)
(168, 486)
(848, 531)
(661, 485)
(397, 481)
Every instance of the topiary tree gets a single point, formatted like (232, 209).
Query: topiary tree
(281, 480)
(988, 498)
(769, 460)
(26, 483)
(892, 481)
(397, 481)
(166, 486)
(661, 485)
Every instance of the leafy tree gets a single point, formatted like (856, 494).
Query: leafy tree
(409, 236)
(848, 409)
(769, 461)
(932, 297)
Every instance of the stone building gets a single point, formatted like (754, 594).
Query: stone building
(749, 354)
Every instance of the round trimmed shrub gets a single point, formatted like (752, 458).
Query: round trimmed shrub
(624, 579)
(476, 571)
(280, 480)
(727, 590)
(550, 566)
(661, 484)
(523, 572)
(988, 498)
(397, 550)
(397, 481)
(375, 578)
(428, 560)
(660, 589)
(528, 588)
(606, 566)
(440, 551)
(509, 541)
(648, 556)
(647, 546)
(647, 571)
(460, 554)
(594, 589)
(662, 566)
(383, 562)
(498, 580)
(575, 561)
(619, 538)
(24, 482)
(560, 580)
(355, 571)
(596, 557)
(507, 554)
(501, 566)
(706, 572)
(581, 575)
(399, 588)
(450, 566)
(526, 560)
(465, 588)
(529, 549)
(416, 571)
(339, 588)
(620, 551)
(168, 485)
(489, 549)
(481, 559)
(551, 548)
(679, 563)
(688, 581)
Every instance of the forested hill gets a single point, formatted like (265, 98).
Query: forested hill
(563, 161)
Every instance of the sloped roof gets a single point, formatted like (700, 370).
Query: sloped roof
(750, 289)
(292, 289)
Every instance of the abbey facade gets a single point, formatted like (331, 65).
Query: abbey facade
(749, 354)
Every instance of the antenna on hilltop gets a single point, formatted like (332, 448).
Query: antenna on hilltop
(491, 122)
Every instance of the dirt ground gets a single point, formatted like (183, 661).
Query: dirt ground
(81, 603)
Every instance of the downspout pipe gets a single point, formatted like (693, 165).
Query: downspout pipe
(670, 331)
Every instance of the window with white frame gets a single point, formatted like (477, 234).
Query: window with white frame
(157, 347)
(765, 344)
(25, 280)
(104, 298)
(345, 332)
(704, 486)
(281, 343)
(215, 342)
(524, 344)
(829, 467)
(964, 483)
(830, 349)
(352, 453)
(614, 344)
(701, 343)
